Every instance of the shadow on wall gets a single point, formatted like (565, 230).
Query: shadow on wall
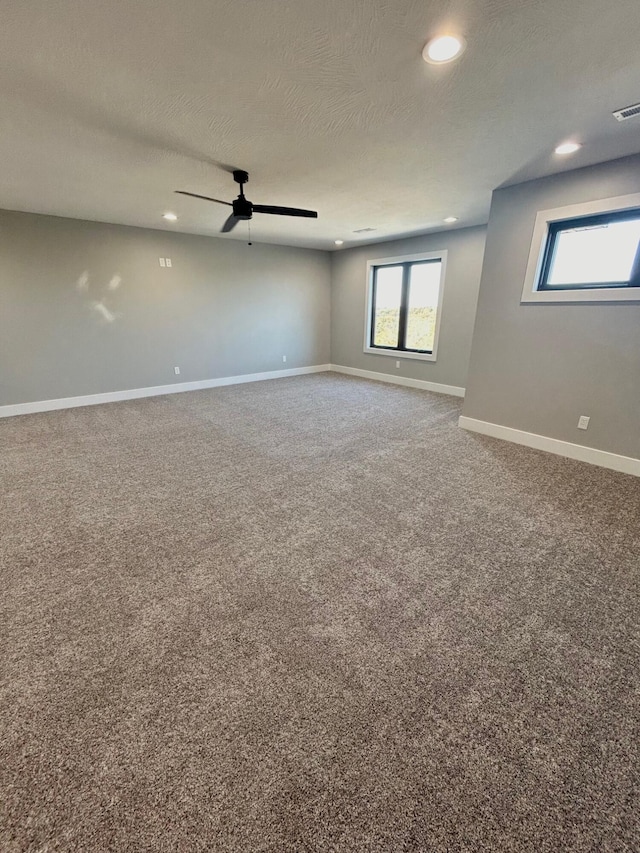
(103, 312)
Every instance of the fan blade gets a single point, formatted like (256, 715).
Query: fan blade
(204, 197)
(284, 211)
(229, 225)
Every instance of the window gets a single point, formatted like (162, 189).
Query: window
(591, 253)
(403, 306)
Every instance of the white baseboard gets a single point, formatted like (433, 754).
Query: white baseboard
(153, 391)
(452, 390)
(624, 464)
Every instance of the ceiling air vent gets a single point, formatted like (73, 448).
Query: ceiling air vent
(627, 112)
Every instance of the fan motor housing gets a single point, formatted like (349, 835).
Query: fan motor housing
(242, 208)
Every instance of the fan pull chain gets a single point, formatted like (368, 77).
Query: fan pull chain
(249, 224)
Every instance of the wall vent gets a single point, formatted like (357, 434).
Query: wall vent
(627, 112)
(363, 230)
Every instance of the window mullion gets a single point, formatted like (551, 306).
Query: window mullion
(404, 303)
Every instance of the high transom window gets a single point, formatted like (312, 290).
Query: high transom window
(593, 252)
(585, 252)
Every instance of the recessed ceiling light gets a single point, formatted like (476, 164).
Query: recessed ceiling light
(170, 216)
(568, 148)
(443, 49)
(338, 242)
(451, 219)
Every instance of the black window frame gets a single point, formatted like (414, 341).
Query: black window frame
(404, 304)
(558, 227)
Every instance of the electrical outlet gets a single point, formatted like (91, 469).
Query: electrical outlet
(583, 422)
(397, 364)
(168, 261)
(162, 262)
(176, 370)
(284, 358)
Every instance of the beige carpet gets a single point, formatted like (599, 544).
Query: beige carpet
(312, 615)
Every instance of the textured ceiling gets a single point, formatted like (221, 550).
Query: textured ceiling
(107, 107)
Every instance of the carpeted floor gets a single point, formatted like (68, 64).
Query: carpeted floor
(312, 615)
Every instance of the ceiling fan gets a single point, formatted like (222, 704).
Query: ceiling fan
(244, 209)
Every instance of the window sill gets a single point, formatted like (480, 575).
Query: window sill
(611, 294)
(413, 356)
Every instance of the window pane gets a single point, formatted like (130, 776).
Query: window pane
(596, 254)
(387, 302)
(424, 284)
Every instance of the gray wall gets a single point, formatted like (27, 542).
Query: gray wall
(223, 308)
(348, 291)
(537, 367)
